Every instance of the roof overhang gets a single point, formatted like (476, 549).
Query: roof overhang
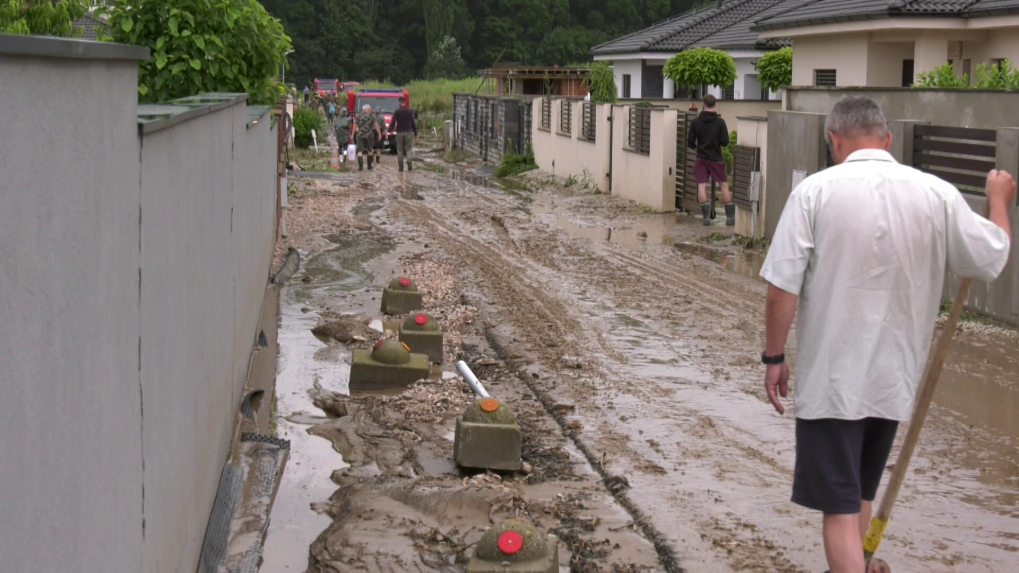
(884, 23)
(667, 55)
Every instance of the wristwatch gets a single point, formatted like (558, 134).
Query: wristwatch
(772, 360)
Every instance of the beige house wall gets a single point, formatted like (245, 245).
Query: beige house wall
(649, 180)
(566, 155)
(884, 63)
(844, 53)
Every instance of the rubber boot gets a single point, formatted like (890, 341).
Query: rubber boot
(730, 215)
(370, 158)
(706, 211)
(360, 163)
(410, 167)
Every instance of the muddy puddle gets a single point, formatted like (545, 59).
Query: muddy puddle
(306, 361)
(745, 263)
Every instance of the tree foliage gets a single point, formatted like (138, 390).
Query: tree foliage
(775, 69)
(942, 76)
(701, 66)
(445, 61)
(41, 18)
(201, 46)
(602, 83)
(394, 39)
(305, 120)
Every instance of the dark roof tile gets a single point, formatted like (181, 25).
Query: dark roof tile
(827, 11)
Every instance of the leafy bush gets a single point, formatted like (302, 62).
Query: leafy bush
(1001, 76)
(942, 76)
(727, 153)
(701, 66)
(602, 82)
(41, 18)
(201, 46)
(305, 120)
(775, 69)
(516, 163)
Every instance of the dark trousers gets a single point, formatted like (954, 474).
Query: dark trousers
(404, 148)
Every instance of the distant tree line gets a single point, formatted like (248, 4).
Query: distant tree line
(395, 39)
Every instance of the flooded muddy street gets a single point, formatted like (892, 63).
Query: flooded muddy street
(628, 346)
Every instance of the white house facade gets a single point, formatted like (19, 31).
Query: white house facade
(638, 59)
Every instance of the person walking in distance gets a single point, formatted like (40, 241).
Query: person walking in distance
(307, 93)
(861, 249)
(708, 134)
(367, 131)
(331, 112)
(404, 125)
(381, 122)
(342, 131)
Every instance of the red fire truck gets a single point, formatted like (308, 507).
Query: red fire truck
(384, 101)
(326, 88)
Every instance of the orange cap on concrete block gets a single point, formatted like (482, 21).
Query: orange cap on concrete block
(489, 404)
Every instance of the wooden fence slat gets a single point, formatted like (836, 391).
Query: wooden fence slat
(976, 165)
(972, 134)
(959, 178)
(955, 147)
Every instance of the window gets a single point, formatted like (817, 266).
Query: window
(824, 78)
(907, 73)
(729, 92)
(565, 116)
(546, 113)
(967, 68)
(626, 85)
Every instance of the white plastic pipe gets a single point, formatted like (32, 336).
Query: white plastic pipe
(471, 379)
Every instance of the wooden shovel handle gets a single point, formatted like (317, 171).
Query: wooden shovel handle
(928, 384)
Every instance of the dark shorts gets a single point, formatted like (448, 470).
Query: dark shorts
(364, 144)
(840, 462)
(704, 170)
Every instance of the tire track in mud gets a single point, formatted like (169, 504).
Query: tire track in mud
(494, 264)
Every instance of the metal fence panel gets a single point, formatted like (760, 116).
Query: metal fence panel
(639, 139)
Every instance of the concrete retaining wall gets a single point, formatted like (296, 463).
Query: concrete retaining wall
(961, 108)
(570, 154)
(134, 268)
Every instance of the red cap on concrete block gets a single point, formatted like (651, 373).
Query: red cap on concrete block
(421, 319)
(405, 282)
(510, 542)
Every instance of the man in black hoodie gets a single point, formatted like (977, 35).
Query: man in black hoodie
(708, 135)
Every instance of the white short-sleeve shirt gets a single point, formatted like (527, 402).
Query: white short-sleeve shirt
(864, 244)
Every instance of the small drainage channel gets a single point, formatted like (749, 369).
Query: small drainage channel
(294, 525)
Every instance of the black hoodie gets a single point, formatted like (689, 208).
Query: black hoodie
(708, 135)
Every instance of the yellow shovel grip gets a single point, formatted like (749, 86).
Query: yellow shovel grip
(874, 534)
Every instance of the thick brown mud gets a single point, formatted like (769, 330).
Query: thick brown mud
(628, 345)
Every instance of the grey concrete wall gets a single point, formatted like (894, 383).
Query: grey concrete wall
(960, 108)
(795, 142)
(566, 155)
(71, 457)
(133, 274)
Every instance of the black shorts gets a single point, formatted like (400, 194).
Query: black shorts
(840, 462)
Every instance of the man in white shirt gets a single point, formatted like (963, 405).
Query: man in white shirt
(862, 249)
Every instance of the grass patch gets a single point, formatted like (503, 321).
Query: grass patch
(434, 168)
(456, 156)
(740, 240)
(516, 163)
(716, 237)
(512, 184)
(432, 96)
(970, 316)
(311, 161)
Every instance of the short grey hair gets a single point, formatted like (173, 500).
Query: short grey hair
(856, 116)
(366, 108)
